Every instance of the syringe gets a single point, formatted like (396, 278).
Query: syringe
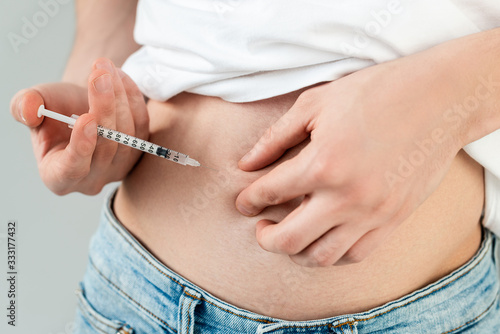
(125, 139)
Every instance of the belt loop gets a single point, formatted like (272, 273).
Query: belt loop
(260, 329)
(187, 304)
(345, 327)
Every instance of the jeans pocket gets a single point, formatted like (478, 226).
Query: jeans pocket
(90, 321)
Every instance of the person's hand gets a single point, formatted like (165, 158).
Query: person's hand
(76, 160)
(380, 144)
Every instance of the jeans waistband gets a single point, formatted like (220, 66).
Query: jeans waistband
(120, 260)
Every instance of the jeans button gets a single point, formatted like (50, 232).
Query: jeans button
(125, 330)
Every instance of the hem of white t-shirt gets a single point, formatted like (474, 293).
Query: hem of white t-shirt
(491, 218)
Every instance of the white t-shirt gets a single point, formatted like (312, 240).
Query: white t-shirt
(242, 50)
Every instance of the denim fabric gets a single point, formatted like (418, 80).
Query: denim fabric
(127, 290)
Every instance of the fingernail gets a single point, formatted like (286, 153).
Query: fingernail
(105, 65)
(247, 156)
(103, 83)
(243, 210)
(20, 110)
(90, 129)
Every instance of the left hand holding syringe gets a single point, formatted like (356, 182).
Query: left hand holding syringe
(70, 160)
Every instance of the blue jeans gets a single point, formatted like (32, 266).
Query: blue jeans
(127, 290)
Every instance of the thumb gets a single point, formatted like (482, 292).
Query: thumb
(62, 168)
(23, 106)
(291, 129)
(62, 97)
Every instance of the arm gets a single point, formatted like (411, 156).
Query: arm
(474, 62)
(360, 127)
(104, 29)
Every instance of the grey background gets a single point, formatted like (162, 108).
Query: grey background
(53, 231)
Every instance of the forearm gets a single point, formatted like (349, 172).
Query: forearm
(471, 70)
(104, 29)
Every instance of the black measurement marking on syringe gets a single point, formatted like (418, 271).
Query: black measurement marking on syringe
(163, 152)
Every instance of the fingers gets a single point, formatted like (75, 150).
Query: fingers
(319, 234)
(299, 229)
(365, 245)
(102, 93)
(83, 140)
(62, 169)
(137, 106)
(131, 116)
(283, 183)
(291, 129)
(315, 236)
(310, 234)
(109, 103)
(330, 247)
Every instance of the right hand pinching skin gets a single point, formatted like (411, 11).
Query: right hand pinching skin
(75, 160)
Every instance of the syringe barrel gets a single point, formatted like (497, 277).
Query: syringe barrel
(142, 145)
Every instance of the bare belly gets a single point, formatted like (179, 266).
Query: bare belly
(187, 218)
